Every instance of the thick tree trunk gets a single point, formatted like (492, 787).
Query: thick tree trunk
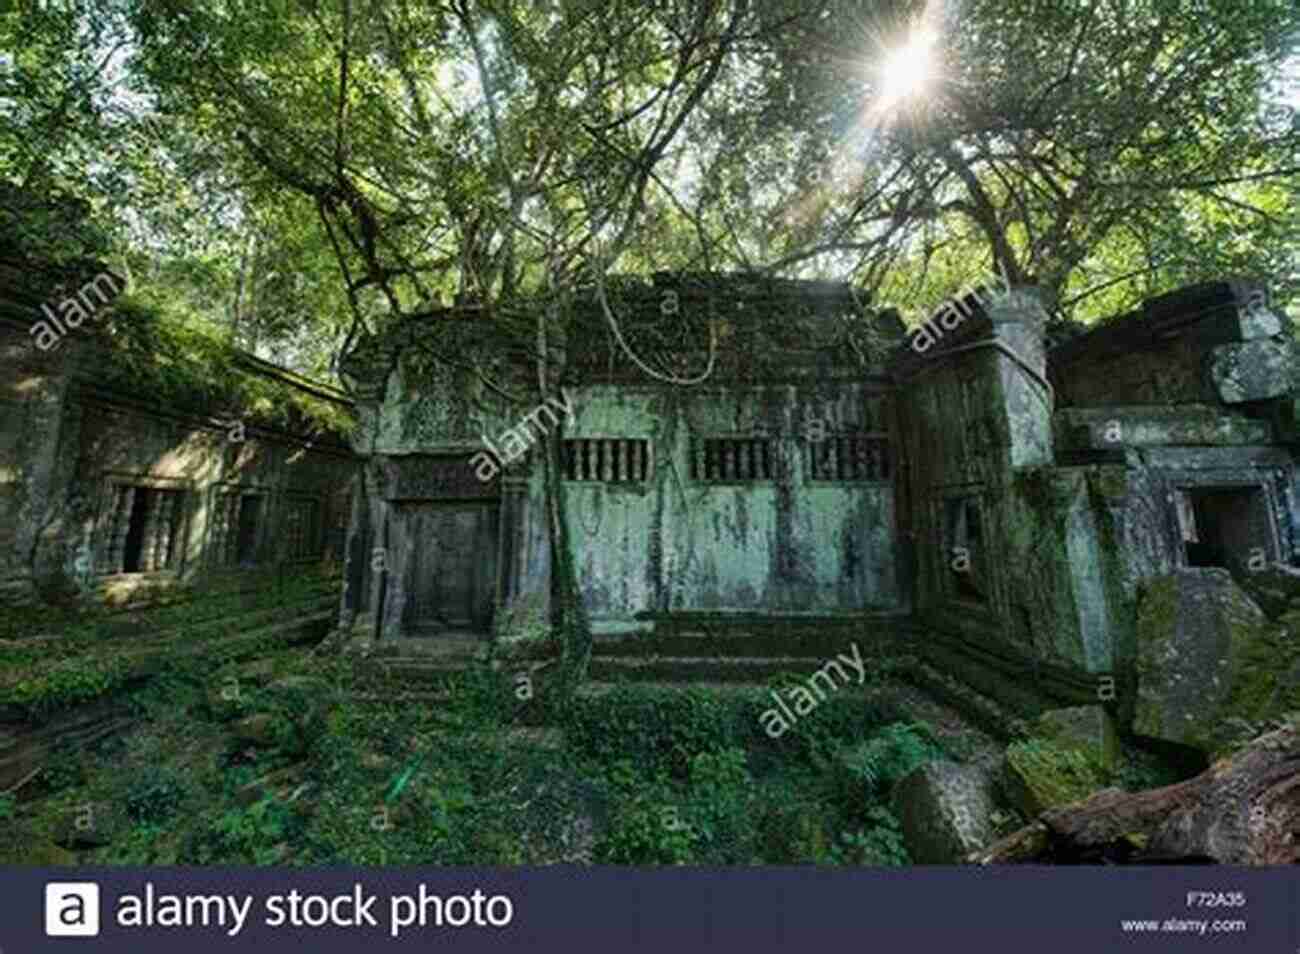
(568, 614)
(1242, 810)
(569, 623)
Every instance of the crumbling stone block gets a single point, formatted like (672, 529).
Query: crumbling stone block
(1039, 774)
(1275, 588)
(1252, 370)
(1212, 670)
(946, 811)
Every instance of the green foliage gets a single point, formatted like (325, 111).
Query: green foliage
(640, 775)
(58, 138)
(1145, 155)
(7, 803)
(891, 754)
(65, 685)
(176, 356)
(647, 826)
(480, 696)
(156, 796)
(662, 729)
(1140, 771)
(792, 824)
(97, 660)
(720, 807)
(880, 843)
(64, 768)
(839, 720)
(249, 835)
(21, 622)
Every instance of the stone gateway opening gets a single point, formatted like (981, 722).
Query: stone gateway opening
(1224, 526)
(451, 576)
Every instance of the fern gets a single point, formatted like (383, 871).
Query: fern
(892, 753)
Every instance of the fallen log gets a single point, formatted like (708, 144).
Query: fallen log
(1244, 809)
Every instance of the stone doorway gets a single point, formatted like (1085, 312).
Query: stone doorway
(1225, 526)
(451, 574)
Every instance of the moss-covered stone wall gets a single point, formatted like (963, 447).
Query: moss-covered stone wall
(77, 423)
(788, 544)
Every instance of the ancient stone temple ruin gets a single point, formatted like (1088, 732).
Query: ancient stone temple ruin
(1049, 513)
(1041, 514)
(115, 490)
(769, 489)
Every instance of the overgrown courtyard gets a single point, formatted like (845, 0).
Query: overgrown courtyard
(286, 756)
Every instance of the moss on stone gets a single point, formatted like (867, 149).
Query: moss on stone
(1264, 683)
(1157, 614)
(1043, 491)
(177, 359)
(1087, 728)
(1039, 774)
(1243, 673)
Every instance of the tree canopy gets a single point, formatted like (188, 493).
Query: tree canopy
(299, 173)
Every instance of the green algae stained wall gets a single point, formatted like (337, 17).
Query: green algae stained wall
(676, 543)
(422, 413)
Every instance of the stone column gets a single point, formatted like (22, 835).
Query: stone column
(1019, 324)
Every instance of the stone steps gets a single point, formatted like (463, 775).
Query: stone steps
(158, 621)
(255, 619)
(980, 709)
(432, 647)
(758, 637)
(124, 595)
(23, 749)
(715, 669)
(714, 654)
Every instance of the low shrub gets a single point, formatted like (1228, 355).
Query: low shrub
(647, 824)
(660, 729)
(251, 835)
(156, 796)
(880, 842)
(720, 807)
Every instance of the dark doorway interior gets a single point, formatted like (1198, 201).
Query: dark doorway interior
(246, 545)
(1225, 527)
(133, 547)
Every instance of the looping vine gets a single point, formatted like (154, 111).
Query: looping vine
(603, 299)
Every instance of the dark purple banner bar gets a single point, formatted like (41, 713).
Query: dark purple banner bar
(1061, 910)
